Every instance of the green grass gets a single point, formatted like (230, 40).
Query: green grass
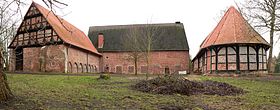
(86, 92)
(261, 93)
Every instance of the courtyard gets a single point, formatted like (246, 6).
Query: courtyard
(70, 91)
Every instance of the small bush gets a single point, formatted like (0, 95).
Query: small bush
(104, 76)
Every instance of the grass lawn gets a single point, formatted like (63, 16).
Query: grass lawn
(86, 92)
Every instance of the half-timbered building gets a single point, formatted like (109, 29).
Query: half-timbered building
(232, 47)
(45, 42)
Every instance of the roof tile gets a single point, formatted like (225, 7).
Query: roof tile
(233, 28)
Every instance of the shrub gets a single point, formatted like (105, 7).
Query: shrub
(104, 76)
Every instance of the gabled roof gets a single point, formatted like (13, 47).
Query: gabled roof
(66, 31)
(233, 29)
(173, 36)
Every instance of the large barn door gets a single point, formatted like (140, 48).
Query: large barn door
(19, 59)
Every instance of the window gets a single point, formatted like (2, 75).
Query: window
(252, 55)
(231, 55)
(242, 50)
(260, 55)
(213, 55)
(144, 69)
(118, 69)
(222, 51)
(131, 69)
(231, 58)
(222, 59)
(252, 58)
(48, 33)
(166, 70)
(243, 54)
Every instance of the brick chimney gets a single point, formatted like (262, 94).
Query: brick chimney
(100, 40)
(177, 22)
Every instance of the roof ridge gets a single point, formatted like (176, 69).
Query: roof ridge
(234, 32)
(137, 24)
(74, 37)
(107, 27)
(208, 37)
(222, 25)
(59, 18)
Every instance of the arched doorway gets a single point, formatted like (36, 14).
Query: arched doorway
(69, 67)
(81, 68)
(85, 68)
(166, 70)
(76, 68)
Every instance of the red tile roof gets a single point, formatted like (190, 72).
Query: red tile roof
(66, 31)
(232, 29)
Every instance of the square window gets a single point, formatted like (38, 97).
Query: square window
(131, 69)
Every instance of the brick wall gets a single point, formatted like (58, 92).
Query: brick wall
(31, 61)
(44, 59)
(57, 58)
(159, 62)
(195, 65)
(80, 61)
(54, 56)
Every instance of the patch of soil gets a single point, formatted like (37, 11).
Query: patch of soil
(19, 103)
(25, 103)
(179, 85)
(171, 107)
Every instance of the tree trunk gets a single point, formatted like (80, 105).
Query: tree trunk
(270, 55)
(272, 30)
(5, 92)
(135, 65)
(148, 65)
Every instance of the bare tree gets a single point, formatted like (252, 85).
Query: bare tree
(9, 19)
(149, 36)
(139, 40)
(131, 43)
(265, 15)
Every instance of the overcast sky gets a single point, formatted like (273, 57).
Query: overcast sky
(198, 16)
